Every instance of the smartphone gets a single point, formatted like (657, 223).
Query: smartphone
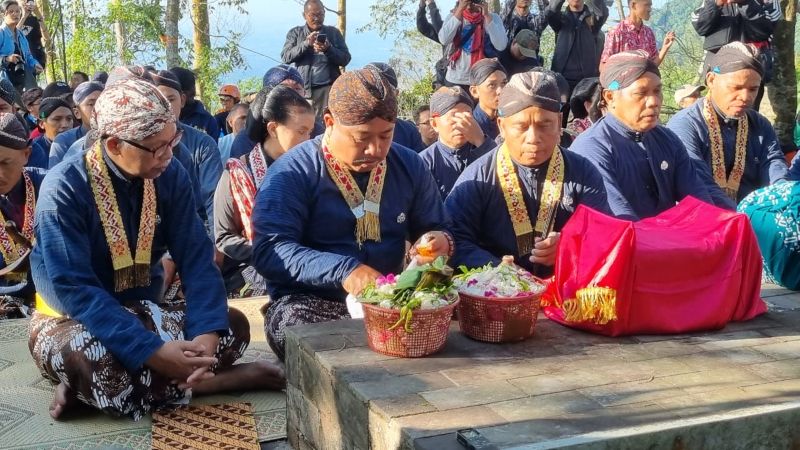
(472, 439)
(322, 38)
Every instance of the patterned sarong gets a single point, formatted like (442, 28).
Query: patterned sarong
(774, 212)
(65, 352)
(297, 309)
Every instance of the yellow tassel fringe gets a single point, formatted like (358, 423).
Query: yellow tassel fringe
(595, 304)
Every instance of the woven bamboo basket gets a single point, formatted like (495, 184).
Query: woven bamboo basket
(429, 328)
(498, 319)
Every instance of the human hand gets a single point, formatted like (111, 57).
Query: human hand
(544, 250)
(430, 246)
(669, 39)
(321, 47)
(13, 59)
(465, 123)
(38, 69)
(360, 278)
(311, 39)
(461, 7)
(179, 360)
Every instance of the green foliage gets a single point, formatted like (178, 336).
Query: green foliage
(418, 94)
(250, 85)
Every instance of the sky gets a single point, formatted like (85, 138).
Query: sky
(268, 21)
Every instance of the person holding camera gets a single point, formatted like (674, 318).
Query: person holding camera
(18, 64)
(33, 27)
(318, 51)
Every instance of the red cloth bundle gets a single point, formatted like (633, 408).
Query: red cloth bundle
(693, 267)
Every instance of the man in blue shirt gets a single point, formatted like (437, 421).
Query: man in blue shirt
(85, 96)
(103, 222)
(461, 140)
(734, 142)
(644, 166)
(193, 112)
(516, 199)
(487, 78)
(334, 213)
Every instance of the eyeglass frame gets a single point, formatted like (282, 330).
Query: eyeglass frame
(168, 146)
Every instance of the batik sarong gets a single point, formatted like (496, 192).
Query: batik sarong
(298, 309)
(66, 352)
(774, 212)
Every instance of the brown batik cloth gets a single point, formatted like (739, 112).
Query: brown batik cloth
(65, 352)
(212, 427)
(298, 309)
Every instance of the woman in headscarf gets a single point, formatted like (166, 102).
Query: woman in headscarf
(282, 120)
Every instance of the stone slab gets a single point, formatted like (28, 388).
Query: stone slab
(734, 388)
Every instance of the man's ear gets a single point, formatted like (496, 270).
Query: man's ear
(608, 96)
(473, 90)
(113, 146)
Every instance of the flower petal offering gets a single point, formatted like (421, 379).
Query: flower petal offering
(498, 303)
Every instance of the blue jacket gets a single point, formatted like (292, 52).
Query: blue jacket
(71, 250)
(7, 48)
(16, 197)
(407, 134)
(764, 160)
(305, 231)
(62, 143)
(195, 115)
(207, 166)
(40, 151)
(446, 164)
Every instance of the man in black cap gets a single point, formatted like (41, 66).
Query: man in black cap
(84, 97)
(31, 99)
(487, 78)
(644, 165)
(194, 113)
(60, 90)
(405, 131)
(736, 144)
(523, 53)
(461, 139)
(516, 199)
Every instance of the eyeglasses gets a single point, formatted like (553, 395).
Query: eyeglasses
(160, 151)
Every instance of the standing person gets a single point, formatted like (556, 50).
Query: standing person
(523, 53)
(422, 116)
(577, 53)
(77, 78)
(733, 142)
(286, 120)
(461, 140)
(18, 63)
(85, 96)
(521, 15)
(229, 96)
(471, 33)
(34, 29)
(644, 165)
(235, 122)
(487, 78)
(334, 214)
(19, 188)
(114, 344)
(632, 34)
(545, 181)
(194, 113)
(721, 22)
(55, 117)
(318, 51)
(430, 29)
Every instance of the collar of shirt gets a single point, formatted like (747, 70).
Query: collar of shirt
(458, 155)
(615, 124)
(726, 120)
(627, 25)
(117, 173)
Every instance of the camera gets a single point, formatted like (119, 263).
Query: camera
(476, 2)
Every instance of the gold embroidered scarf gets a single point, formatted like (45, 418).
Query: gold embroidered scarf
(515, 202)
(366, 209)
(728, 183)
(10, 250)
(128, 271)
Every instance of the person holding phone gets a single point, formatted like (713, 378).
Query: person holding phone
(19, 65)
(317, 51)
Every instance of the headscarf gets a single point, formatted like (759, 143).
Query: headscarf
(469, 38)
(623, 69)
(483, 69)
(583, 92)
(361, 95)
(85, 89)
(49, 105)
(446, 98)
(734, 57)
(131, 109)
(528, 89)
(166, 78)
(7, 91)
(281, 73)
(13, 133)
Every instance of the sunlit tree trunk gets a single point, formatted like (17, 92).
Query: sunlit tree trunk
(172, 35)
(202, 44)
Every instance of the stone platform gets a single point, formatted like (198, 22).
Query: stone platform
(738, 388)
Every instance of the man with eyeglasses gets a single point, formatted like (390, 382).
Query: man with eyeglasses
(102, 330)
(422, 117)
(318, 51)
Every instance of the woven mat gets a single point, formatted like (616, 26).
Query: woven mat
(206, 427)
(25, 397)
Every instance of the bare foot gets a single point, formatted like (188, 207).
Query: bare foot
(244, 377)
(63, 401)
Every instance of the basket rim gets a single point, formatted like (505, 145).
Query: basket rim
(417, 311)
(501, 299)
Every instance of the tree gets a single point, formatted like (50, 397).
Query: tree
(782, 92)
(202, 43)
(171, 34)
(119, 35)
(342, 14)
